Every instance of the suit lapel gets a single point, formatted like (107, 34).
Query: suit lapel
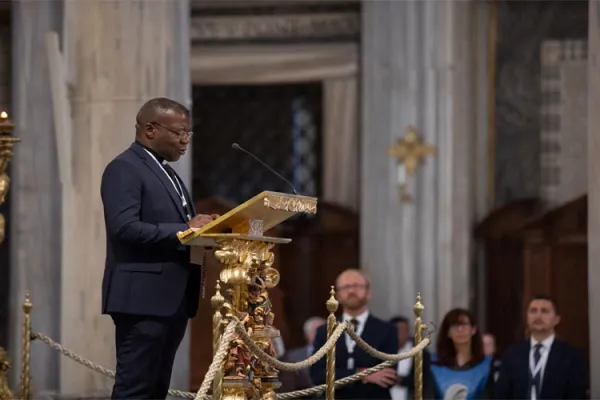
(341, 347)
(552, 368)
(523, 367)
(366, 332)
(152, 164)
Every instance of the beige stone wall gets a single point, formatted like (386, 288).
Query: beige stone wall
(117, 65)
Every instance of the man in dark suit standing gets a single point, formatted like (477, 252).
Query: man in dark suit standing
(353, 292)
(150, 289)
(543, 366)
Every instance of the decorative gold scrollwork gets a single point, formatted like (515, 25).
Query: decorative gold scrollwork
(5, 393)
(249, 273)
(292, 204)
(6, 144)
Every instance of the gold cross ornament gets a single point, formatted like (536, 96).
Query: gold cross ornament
(409, 152)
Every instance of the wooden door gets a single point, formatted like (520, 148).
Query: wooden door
(504, 271)
(320, 250)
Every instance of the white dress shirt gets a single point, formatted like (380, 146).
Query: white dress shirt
(400, 392)
(544, 353)
(350, 344)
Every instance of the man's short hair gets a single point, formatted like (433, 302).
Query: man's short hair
(358, 271)
(547, 298)
(160, 104)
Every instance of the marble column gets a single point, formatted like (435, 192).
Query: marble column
(35, 192)
(418, 70)
(593, 128)
(117, 56)
(123, 53)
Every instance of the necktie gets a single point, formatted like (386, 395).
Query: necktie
(536, 380)
(179, 190)
(350, 344)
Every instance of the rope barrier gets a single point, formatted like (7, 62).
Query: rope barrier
(235, 326)
(353, 378)
(89, 364)
(297, 366)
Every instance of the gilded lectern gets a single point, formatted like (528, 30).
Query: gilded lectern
(238, 241)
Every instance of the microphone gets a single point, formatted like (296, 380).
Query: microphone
(236, 146)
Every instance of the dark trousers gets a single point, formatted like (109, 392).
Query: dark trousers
(146, 348)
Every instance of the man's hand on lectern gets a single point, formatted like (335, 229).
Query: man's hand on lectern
(200, 220)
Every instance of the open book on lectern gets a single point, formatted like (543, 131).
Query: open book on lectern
(250, 220)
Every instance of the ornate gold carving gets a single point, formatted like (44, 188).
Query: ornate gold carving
(6, 144)
(217, 302)
(235, 390)
(292, 204)
(188, 232)
(239, 360)
(409, 152)
(5, 393)
(26, 348)
(249, 273)
(332, 306)
(275, 26)
(419, 328)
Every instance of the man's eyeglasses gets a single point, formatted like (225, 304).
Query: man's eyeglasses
(355, 286)
(181, 134)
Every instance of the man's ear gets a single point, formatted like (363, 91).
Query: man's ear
(150, 131)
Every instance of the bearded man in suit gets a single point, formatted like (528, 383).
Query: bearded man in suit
(353, 291)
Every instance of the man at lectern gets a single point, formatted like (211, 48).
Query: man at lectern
(150, 289)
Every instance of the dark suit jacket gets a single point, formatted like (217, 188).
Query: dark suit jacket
(147, 270)
(378, 334)
(298, 380)
(564, 376)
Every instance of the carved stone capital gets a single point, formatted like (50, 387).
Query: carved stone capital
(248, 28)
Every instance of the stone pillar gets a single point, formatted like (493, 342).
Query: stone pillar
(180, 88)
(118, 55)
(417, 70)
(35, 192)
(593, 128)
(122, 54)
